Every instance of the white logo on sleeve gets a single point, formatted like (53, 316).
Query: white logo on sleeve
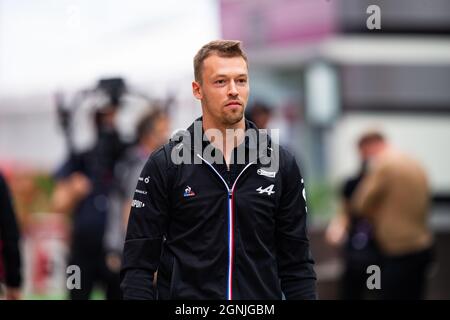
(146, 179)
(304, 195)
(268, 190)
(137, 204)
(304, 191)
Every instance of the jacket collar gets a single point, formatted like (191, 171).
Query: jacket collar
(257, 142)
(251, 140)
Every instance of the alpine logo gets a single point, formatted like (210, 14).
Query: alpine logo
(137, 204)
(188, 192)
(268, 190)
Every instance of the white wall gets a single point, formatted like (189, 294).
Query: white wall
(68, 45)
(48, 44)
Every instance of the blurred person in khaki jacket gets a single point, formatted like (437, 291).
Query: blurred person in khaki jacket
(353, 235)
(394, 196)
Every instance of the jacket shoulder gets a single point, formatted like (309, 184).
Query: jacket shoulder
(290, 165)
(286, 157)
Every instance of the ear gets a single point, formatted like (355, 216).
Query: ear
(197, 90)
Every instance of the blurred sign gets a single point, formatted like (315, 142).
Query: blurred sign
(277, 22)
(322, 96)
(396, 88)
(45, 251)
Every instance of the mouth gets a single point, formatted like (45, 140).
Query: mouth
(233, 104)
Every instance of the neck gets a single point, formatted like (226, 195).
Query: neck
(235, 136)
(210, 123)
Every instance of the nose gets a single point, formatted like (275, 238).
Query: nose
(232, 90)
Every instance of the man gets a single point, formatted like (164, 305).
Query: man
(394, 195)
(260, 114)
(9, 245)
(84, 184)
(354, 234)
(152, 132)
(231, 228)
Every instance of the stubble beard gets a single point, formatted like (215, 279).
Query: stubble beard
(228, 118)
(231, 117)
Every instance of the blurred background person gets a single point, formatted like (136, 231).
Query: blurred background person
(354, 233)
(152, 132)
(10, 259)
(84, 184)
(394, 195)
(260, 114)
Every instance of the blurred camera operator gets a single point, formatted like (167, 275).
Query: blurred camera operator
(84, 184)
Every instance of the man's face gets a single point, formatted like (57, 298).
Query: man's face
(370, 150)
(161, 130)
(159, 135)
(224, 89)
(107, 118)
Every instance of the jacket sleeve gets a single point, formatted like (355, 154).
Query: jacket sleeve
(295, 262)
(146, 229)
(10, 237)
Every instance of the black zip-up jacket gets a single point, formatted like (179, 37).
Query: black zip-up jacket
(218, 233)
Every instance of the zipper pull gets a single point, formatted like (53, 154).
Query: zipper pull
(230, 194)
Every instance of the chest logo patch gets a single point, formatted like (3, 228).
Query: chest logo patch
(268, 190)
(270, 174)
(188, 192)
